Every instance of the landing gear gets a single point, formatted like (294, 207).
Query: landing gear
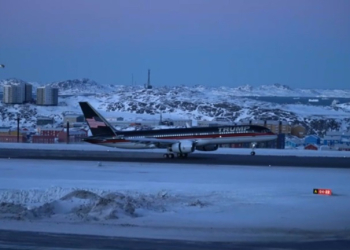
(171, 156)
(168, 156)
(181, 155)
(253, 145)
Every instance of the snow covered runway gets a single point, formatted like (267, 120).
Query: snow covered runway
(175, 201)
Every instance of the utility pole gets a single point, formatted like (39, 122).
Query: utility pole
(18, 129)
(68, 133)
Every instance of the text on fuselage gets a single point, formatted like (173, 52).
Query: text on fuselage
(243, 129)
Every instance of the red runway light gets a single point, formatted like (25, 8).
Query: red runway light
(322, 191)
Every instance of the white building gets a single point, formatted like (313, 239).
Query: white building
(17, 92)
(47, 96)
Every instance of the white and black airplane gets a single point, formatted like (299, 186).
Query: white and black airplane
(178, 141)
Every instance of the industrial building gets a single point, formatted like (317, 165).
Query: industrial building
(43, 139)
(277, 127)
(9, 135)
(47, 96)
(44, 120)
(73, 119)
(75, 136)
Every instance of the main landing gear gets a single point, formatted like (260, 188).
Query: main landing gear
(179, 155)
(253, 145)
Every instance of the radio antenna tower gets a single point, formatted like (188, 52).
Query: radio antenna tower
(148, 84)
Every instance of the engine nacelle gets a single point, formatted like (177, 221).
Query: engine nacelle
(211, 147)
(183, 147)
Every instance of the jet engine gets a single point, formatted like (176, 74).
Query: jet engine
(211, 147)
(182, 147)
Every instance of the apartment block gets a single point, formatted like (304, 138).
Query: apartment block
(47, 96)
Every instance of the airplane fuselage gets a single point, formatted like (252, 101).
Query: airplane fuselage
(201, 135)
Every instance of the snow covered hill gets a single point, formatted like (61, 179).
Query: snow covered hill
(80, 86)
(196, 103)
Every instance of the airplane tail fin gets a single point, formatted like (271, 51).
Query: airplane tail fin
(96, 122)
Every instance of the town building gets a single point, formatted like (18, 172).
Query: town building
(277, 127)
(50, 131)
(43, 139)
(73, 119)
(293, 142)
(17, 93)
(13, 132)
(331, 140)
(334, 137)
(5, 130)
(298, 130)
(312, 139)
(47, 96)
(13, 138)
(75, 136)
(311, 147)
(28, 92)
(44, 120)
(342, 147)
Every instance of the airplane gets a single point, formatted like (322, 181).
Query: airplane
(179, 141)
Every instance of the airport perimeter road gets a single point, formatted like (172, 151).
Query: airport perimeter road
(45, 241)
(208, 159)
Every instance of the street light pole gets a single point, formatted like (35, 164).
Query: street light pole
(18, 129)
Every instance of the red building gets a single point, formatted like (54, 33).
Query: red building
(43, 139)
(74, 135)
(50, 131)
(311, 147)
(12, 138)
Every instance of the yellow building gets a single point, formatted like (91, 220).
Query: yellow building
(299, 131)
(277, 127)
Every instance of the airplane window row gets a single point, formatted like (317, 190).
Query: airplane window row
(207, 133)
(172, 135)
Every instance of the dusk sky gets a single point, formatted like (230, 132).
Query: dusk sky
(301, 43)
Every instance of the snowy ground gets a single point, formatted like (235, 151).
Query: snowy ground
(196, 202)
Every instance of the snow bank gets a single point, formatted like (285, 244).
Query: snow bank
(85, 205)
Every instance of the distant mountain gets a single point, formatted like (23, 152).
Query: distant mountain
(278, 89)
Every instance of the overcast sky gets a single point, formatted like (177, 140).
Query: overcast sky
(301, 43)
